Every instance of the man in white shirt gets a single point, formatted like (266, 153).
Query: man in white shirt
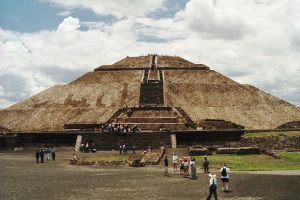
(225, 171)
(175, 160)
(212, 186)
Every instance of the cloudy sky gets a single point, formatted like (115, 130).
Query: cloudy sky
(49, 42)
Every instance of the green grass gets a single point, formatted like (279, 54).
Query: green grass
(288, 161)
(275, 133)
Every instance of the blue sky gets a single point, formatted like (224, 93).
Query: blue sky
(49, 42)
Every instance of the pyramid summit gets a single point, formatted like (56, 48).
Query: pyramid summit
(157, 93)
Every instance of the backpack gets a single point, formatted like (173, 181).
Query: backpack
(224, 172)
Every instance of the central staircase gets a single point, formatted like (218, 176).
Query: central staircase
(152, 115)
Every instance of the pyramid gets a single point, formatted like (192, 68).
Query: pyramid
(154, 91)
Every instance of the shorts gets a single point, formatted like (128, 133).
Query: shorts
(166, 168)
(225, 180)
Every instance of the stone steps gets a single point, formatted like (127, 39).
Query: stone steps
(158, 126)
(148, 120)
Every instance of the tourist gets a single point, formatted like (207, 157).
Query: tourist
(124, 149)
(181, 167)
(166, 166)
(53, 153)
(133, 149)
(193, 168)
(42, 155)
(212, 186)
(175, 160)
(87, 147)
(37, 155)
(205, 164)
(121, 148)
(225, 171)
(48, 153)
(81, 147)
(75, 157)
(185, 167)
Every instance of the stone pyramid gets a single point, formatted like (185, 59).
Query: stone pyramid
(151, 90)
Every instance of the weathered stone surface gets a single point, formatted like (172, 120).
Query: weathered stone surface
(248, 150)
(270, 153)
(153, 157)
(95, 97)
(199, 151)
(227, 150)
(277, 142)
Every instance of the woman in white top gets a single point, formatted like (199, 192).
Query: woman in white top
(175, 159)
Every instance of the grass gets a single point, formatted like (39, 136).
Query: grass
(288, 161)
(274, 133)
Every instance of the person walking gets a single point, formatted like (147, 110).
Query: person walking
(133, 149)
(37, 156)
(205, 164)
(53, 153)
(42, 155)
(175, 160)
(166, 166)
(212, 186)
(225, 171)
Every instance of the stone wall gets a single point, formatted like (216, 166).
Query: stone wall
(109, 141)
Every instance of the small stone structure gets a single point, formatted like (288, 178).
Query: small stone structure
(194, 151)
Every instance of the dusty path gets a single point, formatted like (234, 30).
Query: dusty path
(22, 178)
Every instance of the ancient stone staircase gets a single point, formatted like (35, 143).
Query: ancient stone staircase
(152, 115)
(152, 89)
(152, 118)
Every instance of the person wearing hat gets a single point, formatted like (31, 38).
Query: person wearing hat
(175, 160)
(225, 171)
(212, 186)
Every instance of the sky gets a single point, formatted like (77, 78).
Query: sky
(48, 42)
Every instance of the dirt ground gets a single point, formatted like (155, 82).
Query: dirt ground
(22, 178)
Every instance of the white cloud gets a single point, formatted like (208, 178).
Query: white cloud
(69, 24)
(260, 45)
(119, 8)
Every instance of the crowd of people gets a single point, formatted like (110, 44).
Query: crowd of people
(123, 149)
(187, 168)
(87, 147)
(41, 153)
(119, 128)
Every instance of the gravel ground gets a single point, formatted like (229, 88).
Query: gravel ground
(22, 178)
